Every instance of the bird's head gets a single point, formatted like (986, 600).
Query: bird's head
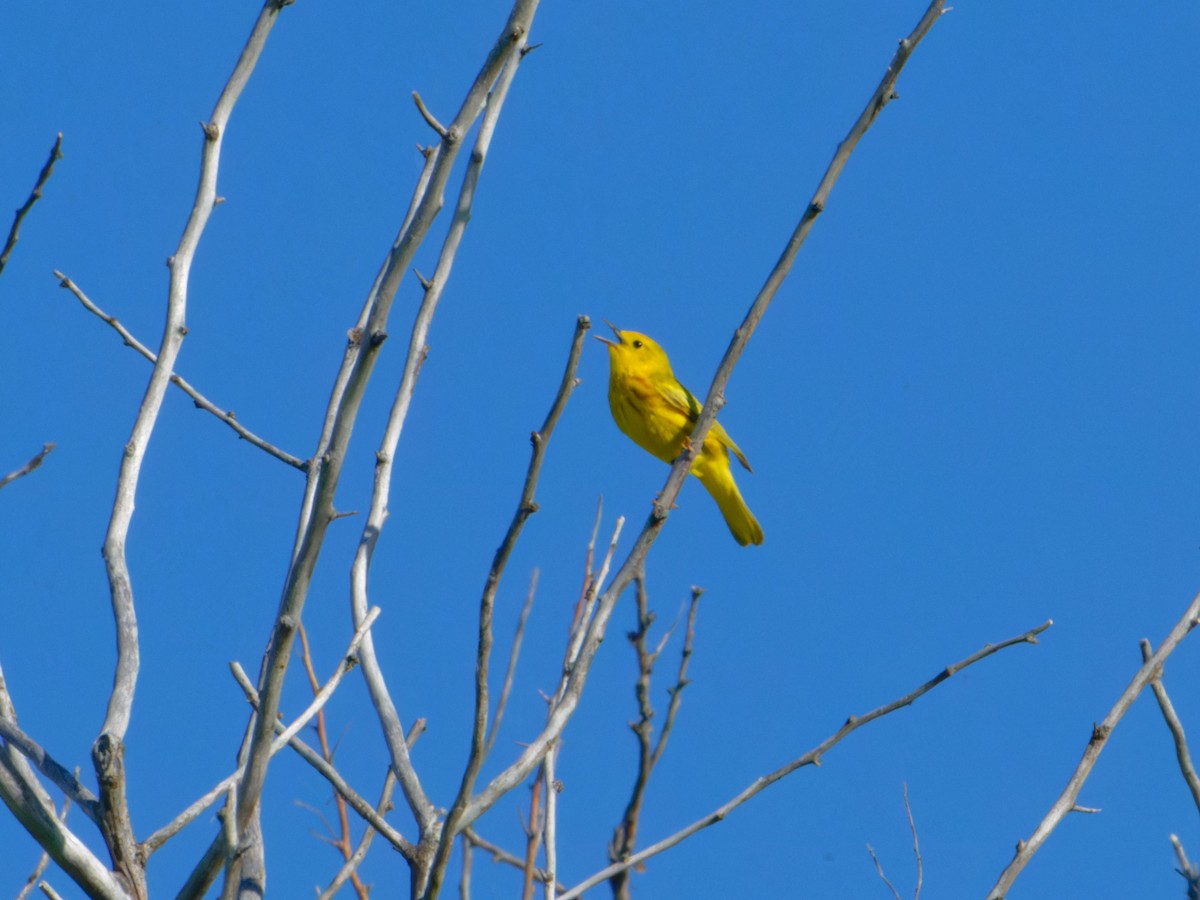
(632, 351)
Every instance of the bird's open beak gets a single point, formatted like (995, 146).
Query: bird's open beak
(616, 331)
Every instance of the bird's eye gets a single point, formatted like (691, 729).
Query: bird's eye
(637, 344)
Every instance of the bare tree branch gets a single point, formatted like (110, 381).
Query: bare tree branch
(1066, 801)
(37, 460)
(912, 826)
(509, 673)
(35, 195)
(44, 860)
(201, 402)
(811, 758)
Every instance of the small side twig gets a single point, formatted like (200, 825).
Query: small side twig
(37, 460)
(201, 402)
(500, 855)
(879, 869)
(14, 233)
(431, 121)
(912, 826)
(513, 654)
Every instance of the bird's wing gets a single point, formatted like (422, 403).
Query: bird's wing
(680, 398)
(683, 400)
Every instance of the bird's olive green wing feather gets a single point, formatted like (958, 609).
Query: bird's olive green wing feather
(683, 400)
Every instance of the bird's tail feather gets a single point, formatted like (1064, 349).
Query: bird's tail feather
(724, 490)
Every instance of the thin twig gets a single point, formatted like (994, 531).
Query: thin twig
(681, 679)
(37, 460)
(811, 758)
(342, 842)
(879, 869)
(349, 869)
(1182, 754)
(35, 195)
(433, 123)
(1066, 801)
(912, 826)
(533, 836)
(513, 655)
(201, 402)
(625, 834)
(500, 855)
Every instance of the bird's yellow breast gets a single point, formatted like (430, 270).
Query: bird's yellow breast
(646, 416)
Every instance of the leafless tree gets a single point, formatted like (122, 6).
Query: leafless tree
(435, 826)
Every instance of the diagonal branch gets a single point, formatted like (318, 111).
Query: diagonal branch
(520, 769)
(37, 460)
(1065, 803)
(51, 768)
(201, 402)
(811, 758)
(14, 233)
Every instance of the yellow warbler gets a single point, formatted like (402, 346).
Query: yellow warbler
(658, 413)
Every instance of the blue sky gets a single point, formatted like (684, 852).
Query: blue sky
(971, 408)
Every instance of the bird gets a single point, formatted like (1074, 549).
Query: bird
(658, 413)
